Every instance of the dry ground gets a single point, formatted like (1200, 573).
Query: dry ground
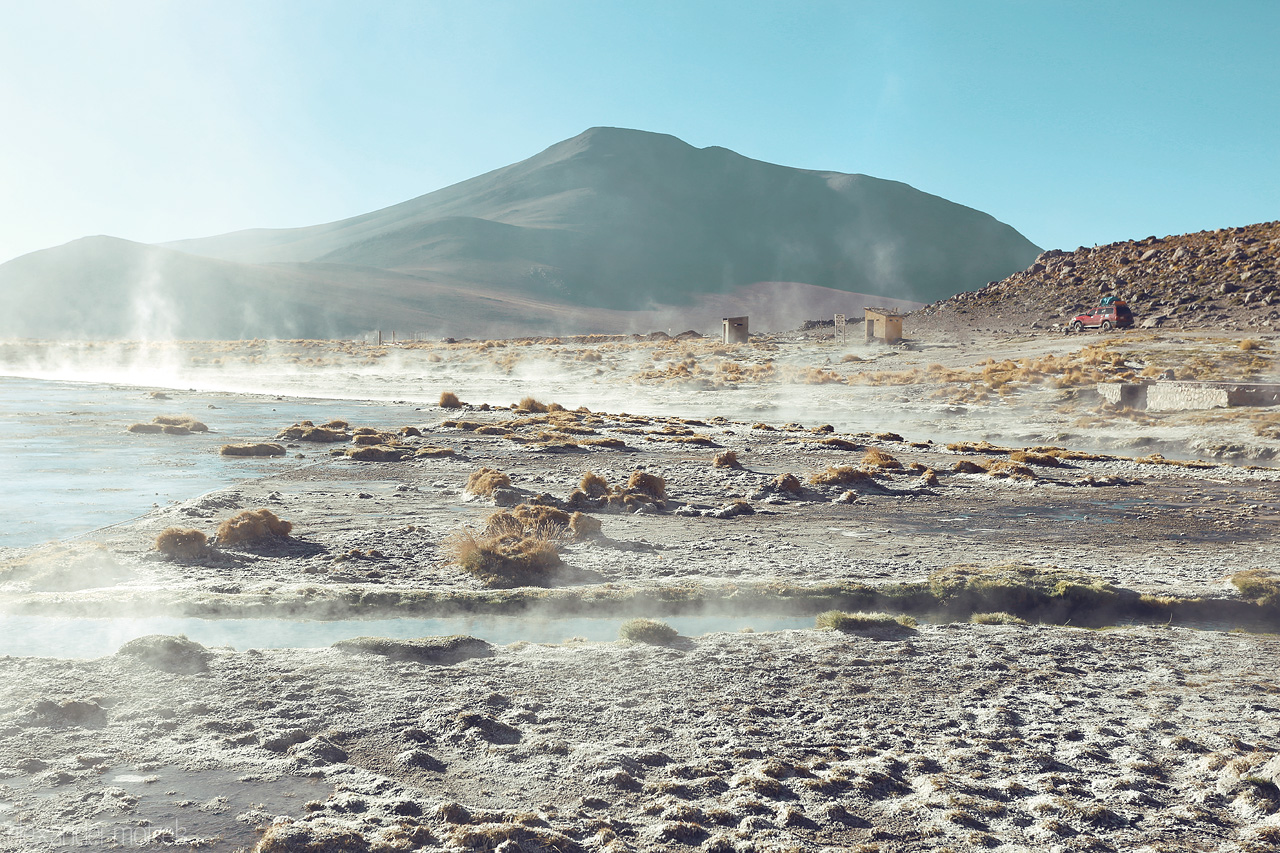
(947, 734)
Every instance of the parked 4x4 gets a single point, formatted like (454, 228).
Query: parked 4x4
(1110, 314)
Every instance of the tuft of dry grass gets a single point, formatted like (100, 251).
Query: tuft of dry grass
(483, 482)
(839, 476)
(979, 447)
(647, 631)
(583, 526)
(252, 525)
(182, 543)
(503, 560)
(449, 400)
(727, 459)
(252, 450)
(184, 421)
(1261, 585)
(593, 485)
(840, 621)
(1158, 459)
(877, 458)
(376, 453)
(996, 618)
(648, 484)
(788, 483)
(530, 404)
(307, 431)
(1030, 457)
(1010, 470)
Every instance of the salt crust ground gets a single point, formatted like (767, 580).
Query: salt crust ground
(952, 735)
(960, 736)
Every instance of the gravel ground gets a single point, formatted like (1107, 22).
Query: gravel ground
(941, 735)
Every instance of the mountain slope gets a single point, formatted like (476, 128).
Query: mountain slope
(624, 219)
(609, 221)
(1224, 279)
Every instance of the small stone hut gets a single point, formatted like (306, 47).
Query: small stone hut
(735, 330)
(883, 325)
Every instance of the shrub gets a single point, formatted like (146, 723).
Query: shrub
(252, 525)
(996, 618)
(484, 481)
(182, 543)
(252, 450)
(727, 459)
(647, 631)
(449, 400)
(648, 484)
(841, 621)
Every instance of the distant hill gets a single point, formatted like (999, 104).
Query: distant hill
(600, 232)
(1224, 279)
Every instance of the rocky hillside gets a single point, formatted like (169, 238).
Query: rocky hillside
(1225, 279)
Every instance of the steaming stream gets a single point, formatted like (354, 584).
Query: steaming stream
(73, 468)
(76, 637)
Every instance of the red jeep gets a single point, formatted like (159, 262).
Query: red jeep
(1110, 314)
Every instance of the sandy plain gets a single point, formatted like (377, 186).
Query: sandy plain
(1131, 705)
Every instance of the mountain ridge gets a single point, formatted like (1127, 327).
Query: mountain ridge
(610, 220)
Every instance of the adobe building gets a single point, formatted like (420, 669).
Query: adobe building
(735, 330)
(883, 325)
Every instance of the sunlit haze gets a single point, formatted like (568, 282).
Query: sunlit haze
(1076, 123)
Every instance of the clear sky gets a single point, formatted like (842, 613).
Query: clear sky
(1075, 122)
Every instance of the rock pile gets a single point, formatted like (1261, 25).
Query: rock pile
(1224, 279)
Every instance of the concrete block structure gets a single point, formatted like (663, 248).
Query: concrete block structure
(735, 330)
(883, 325)
(1174, 396)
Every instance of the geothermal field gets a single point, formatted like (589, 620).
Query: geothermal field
(631, 593)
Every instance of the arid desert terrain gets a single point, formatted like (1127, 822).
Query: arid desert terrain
(1023, 618)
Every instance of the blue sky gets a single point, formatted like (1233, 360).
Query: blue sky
(1075, 122)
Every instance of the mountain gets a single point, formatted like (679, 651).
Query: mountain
(1227, 279)
(577, 238)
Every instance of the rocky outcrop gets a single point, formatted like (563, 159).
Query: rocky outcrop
(1224, 279)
